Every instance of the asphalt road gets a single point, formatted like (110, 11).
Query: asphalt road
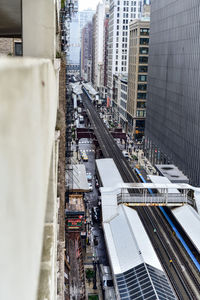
(92, 200)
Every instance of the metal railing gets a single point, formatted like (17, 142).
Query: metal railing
(159, 199)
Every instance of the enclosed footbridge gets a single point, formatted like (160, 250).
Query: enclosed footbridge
(167, 194)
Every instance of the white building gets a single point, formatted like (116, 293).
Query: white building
(121, 13)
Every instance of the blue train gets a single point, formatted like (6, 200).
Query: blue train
(179, 236)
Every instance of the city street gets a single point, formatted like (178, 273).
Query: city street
(91, 199)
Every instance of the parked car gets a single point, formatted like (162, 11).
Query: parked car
(89, 176)
(126, 154)
(96, 183)
(90, 187)
(95, 214)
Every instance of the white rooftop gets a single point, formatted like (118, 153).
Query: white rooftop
(79, 178)
(127, 241)
(162, 179)
(76, 87)
(108, 172)
(190, 221)
(90, 88)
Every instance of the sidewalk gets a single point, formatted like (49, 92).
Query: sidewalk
(90, 255)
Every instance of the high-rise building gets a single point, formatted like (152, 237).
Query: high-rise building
(173, 123)
(85, 16)
(105, 58)
(73, 58)
(98, 51)
(137, 77)
(86, 51)
(120, 14)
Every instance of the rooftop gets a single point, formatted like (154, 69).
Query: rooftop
(108, 172)
(78, 178)
(190, 221)
(172, 173)
(135, 265)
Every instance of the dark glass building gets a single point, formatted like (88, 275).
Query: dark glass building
(173, 105)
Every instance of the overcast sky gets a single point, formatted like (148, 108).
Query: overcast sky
(85, 4)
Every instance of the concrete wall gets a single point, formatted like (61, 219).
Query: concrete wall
(39, 28)
(28, 97)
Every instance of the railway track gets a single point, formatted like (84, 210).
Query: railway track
(184, 279)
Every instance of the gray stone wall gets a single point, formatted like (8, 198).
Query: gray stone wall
(173, 105)
(6, 46)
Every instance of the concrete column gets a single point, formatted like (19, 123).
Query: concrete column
(39, 28)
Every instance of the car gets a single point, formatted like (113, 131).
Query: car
(90, 186)
(89, 176)
(85, 158)
(125, 153)
(96, 183)
(95, 214)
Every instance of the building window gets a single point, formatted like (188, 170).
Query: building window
(142, 87)
(144, 50)
(143, 69)
(141, 113)
(142, 96)
(18, 49)
(143, 59)
(141, 104)
(144, 41)
(144, 31)
(142, 78)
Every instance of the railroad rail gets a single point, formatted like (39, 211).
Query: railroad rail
(177, 264)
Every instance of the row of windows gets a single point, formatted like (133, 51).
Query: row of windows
(123, 69)
(124, 45)
(142, 78)
(142, 87)
(143, 59)
(143, 69)
(141, 113)
(133, 3)
(124, 87)
(123, 96)
(142, 96)
(144, 50)
(144, 31)
(144, 41)
(141, 104)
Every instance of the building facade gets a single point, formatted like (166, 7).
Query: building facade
(137, 77)
(73, 57)
(86, 52)
(173, 123)
(10, 46)
(120, 14)
(85, 16)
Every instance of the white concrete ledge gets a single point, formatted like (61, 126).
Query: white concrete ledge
(28, 101)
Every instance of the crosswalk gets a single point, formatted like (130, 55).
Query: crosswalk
(85, 142)
(87, 150)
